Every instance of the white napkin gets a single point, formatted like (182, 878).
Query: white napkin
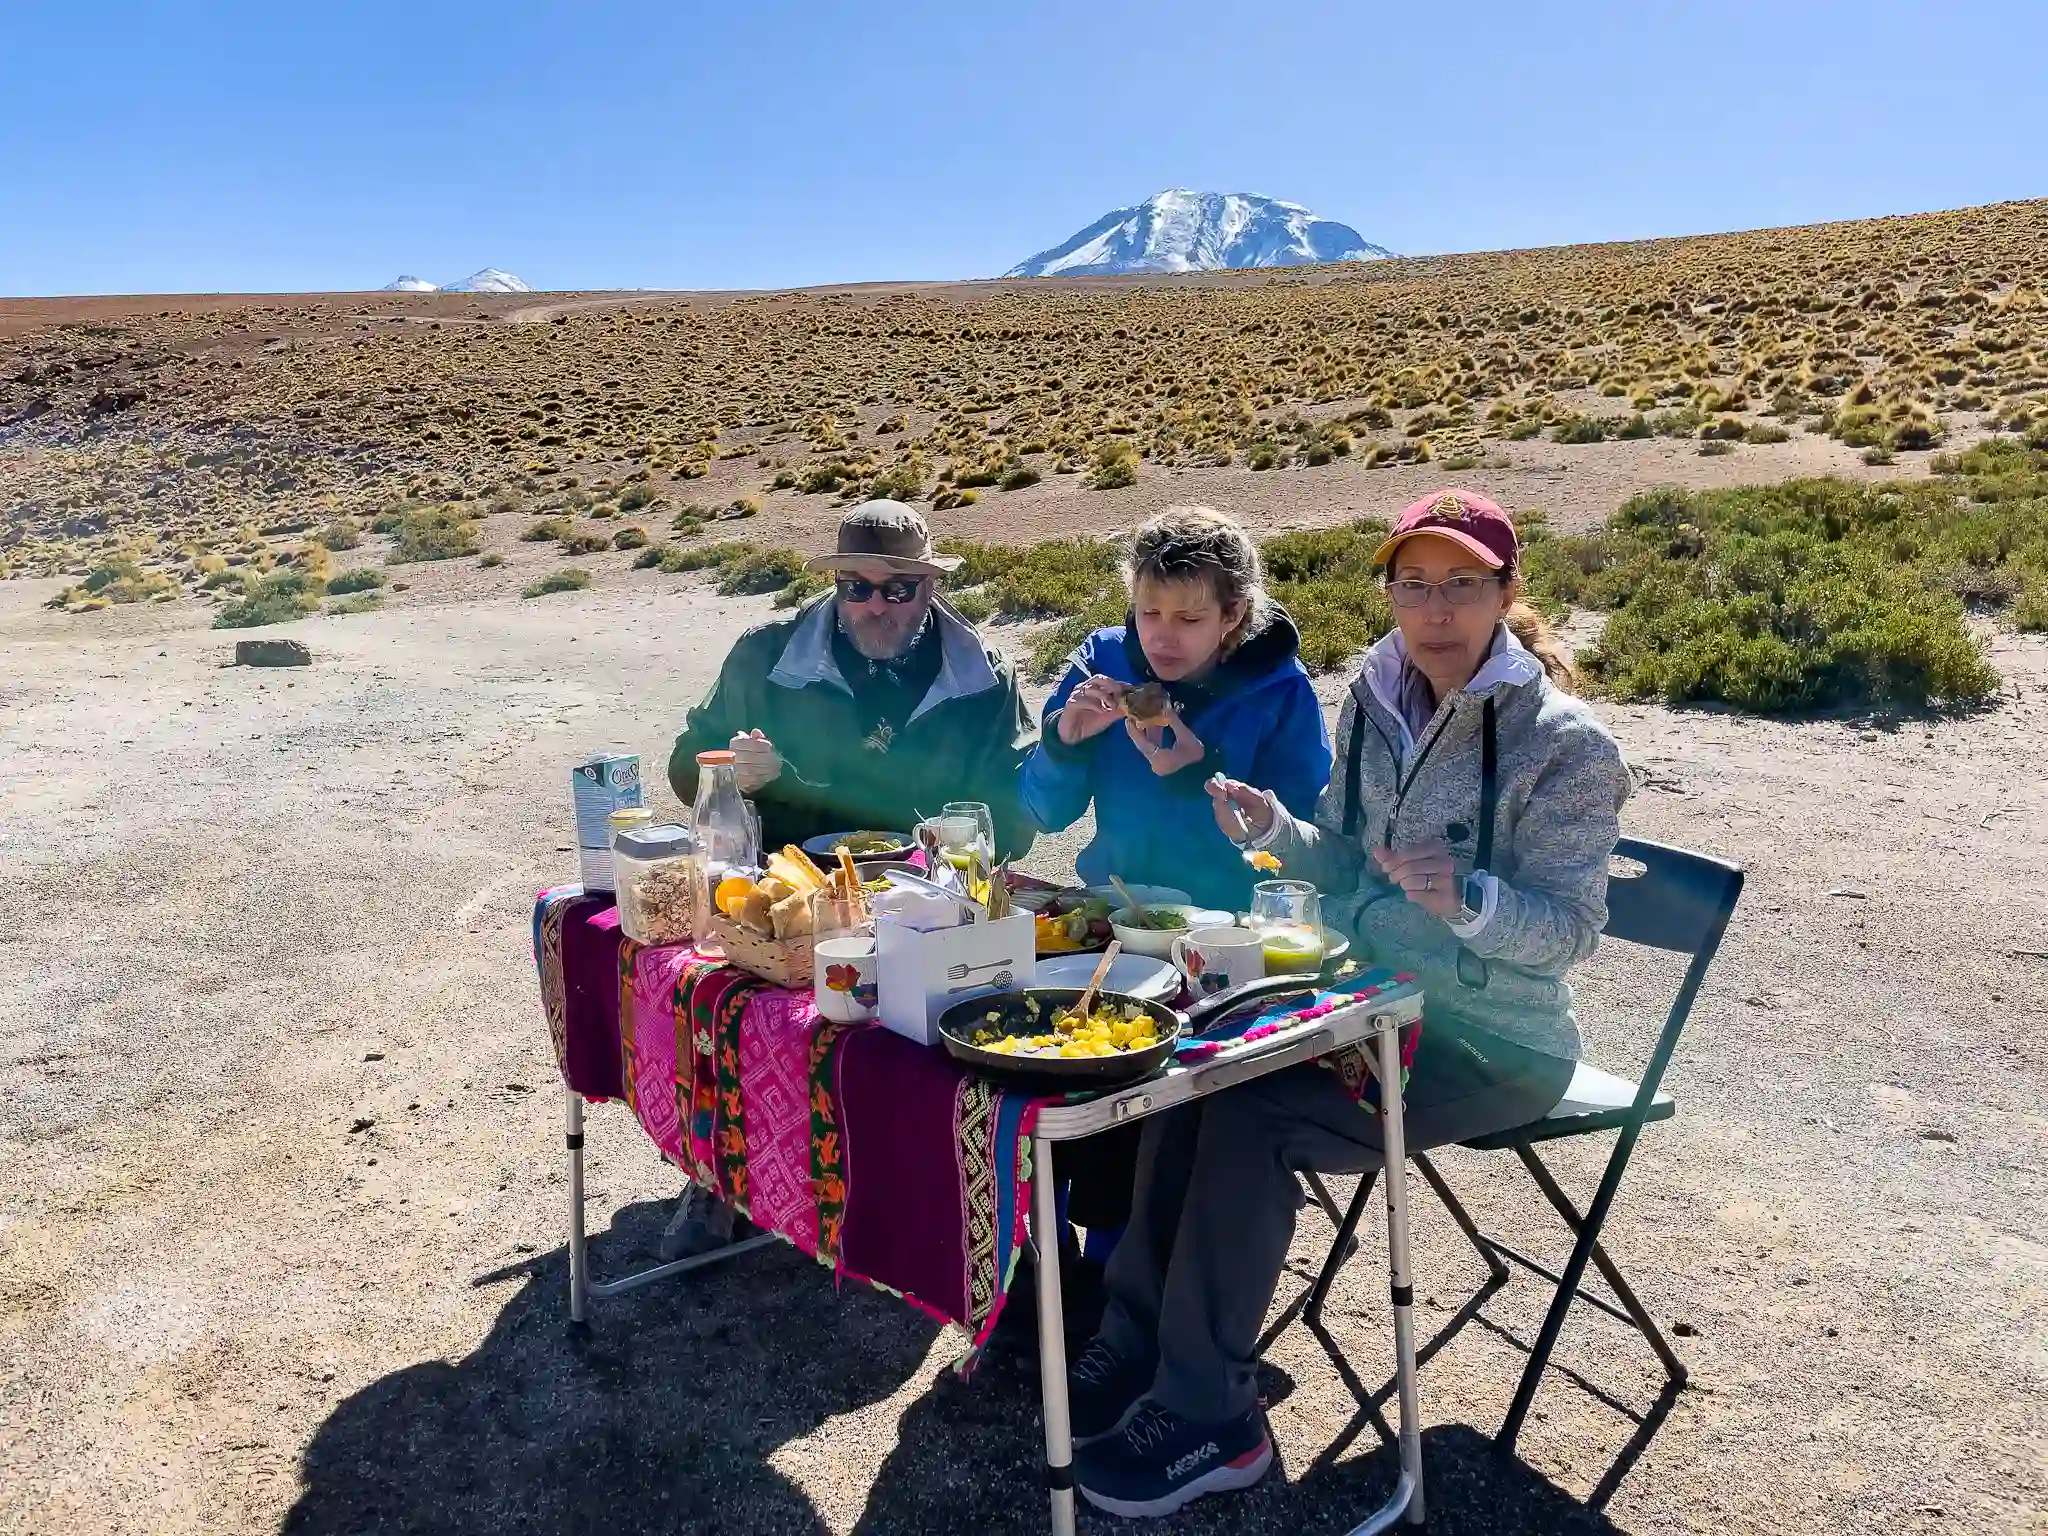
(924, 910)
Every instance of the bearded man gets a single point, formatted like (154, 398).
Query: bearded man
(874, 705)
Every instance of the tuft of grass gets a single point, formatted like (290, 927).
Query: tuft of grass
(119, 578)
(1579, 429)
(573, 579)
(808, 584)
(973, 605)
(901, 481)
(368, 579)
(761, 570)
(342, 533)
(274, 599)
(584, 543)
(1048, 580)
(491, 562)
(362, 602)
(630, 538)
(1116, 465)
(546, 531)
(432, 533)
(2030, 612)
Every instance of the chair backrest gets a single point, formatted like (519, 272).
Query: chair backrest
(1681, 901)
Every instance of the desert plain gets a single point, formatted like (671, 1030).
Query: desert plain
(282, 1200)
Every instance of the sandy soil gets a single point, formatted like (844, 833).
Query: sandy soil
(281, 1193)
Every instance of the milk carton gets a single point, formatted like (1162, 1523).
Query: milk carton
(602, 785)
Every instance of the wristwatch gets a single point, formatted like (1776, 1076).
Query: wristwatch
(1472, 898)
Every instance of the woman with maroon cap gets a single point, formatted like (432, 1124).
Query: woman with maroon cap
(1464, 837)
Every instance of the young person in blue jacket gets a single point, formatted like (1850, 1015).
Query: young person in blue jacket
(1237, 702)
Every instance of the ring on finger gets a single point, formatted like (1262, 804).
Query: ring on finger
(1429, 882)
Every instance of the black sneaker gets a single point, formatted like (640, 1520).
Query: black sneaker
(1161, 1461)
(1103, 1389)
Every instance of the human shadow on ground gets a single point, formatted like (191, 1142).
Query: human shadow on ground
(664, 1414)
(660, 1416)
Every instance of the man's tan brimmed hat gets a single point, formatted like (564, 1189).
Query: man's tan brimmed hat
(888, 534)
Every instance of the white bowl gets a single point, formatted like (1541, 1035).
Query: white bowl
(1157, 943)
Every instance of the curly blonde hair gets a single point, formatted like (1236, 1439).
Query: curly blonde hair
(1202, 544)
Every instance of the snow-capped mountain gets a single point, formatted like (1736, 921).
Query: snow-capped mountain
(489, 280)
(1183, 231)
(410, 284)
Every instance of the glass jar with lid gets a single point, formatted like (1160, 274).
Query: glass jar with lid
(597, 862)
(651, 871)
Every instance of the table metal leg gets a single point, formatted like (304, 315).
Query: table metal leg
(579, 1258)
(1052, 1339)
(1400, 1273)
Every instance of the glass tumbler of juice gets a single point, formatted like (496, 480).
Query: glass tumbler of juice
(1288, 914)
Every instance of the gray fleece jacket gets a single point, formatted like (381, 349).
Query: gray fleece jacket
(1560, 784)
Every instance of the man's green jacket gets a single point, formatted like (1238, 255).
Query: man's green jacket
(965, 741)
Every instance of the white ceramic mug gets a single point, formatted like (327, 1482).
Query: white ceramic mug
(1215, 959)
(844, 976)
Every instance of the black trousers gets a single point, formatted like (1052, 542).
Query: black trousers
(1100, 1171)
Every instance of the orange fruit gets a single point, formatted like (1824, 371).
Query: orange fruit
(732, 891)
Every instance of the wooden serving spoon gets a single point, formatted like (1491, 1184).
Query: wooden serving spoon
(1087, 1004)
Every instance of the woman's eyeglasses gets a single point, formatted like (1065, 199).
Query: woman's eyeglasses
(1458, 591)
(896, 590)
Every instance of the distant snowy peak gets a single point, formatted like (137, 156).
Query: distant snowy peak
(410, 284)
(489, 280)
(1183, 231)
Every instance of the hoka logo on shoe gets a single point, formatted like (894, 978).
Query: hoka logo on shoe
(1193, 1459)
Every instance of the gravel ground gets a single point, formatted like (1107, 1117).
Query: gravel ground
(281, 1189)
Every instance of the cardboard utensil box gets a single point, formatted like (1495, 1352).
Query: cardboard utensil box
(921, 975)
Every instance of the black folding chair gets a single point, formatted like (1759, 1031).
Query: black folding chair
(1681, 902)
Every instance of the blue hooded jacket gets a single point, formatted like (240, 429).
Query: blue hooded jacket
(1258, 718)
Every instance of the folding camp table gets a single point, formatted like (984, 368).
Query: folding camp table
(1374, 1021)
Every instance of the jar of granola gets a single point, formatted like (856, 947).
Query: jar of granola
(652, 877)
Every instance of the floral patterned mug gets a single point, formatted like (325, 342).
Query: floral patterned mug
(1215, 959)
(845, 979)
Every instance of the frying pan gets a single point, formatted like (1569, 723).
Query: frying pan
(1031, 1011)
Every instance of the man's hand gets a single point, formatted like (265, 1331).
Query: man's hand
(759, 763)
(1243, 814)
(1091, 709)
(1150, 740)
(1426, 873)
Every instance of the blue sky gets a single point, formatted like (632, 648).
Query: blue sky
(754, 143)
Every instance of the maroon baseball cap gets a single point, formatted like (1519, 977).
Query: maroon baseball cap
(1463, 517)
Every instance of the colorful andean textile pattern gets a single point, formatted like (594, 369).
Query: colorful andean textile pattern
(875, 1156)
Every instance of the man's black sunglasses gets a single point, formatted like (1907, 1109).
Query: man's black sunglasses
(897, 589)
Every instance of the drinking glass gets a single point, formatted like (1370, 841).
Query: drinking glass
(1288, 914)
(837, 916)
(984, 820)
